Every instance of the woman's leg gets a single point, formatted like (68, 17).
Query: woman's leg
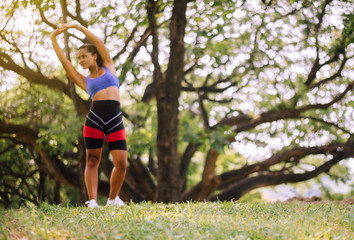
(118, 172)
(93, 158)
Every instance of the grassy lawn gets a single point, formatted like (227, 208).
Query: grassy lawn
(191, 220)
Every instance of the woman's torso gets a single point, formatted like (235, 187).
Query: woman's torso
(104, 86)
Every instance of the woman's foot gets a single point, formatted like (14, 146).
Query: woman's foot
(115, 202)
(92, 203)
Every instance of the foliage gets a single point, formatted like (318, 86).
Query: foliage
(191, 220)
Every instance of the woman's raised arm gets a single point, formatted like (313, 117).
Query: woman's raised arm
(101, 48)
(73, 74)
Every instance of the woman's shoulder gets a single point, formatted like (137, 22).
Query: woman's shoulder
(110, 66)
(111, 69)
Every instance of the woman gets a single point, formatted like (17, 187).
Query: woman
(104, 117)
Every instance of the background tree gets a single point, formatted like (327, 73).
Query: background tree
(219, 97)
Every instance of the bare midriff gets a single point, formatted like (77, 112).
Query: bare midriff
(110, 93)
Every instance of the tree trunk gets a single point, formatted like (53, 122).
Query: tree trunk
(167, 93)
(56, 199)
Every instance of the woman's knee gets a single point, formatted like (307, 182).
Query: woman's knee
(121, 164)
(120, 160)
(92, 161)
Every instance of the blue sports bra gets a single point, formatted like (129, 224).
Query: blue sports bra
(108, 79)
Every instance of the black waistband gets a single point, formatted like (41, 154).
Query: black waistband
(104, 102)
(105, 106)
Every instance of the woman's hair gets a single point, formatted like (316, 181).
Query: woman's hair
(90, 47)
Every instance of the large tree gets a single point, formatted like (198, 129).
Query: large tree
(246, 94)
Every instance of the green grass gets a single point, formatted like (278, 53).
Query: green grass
(191, 220)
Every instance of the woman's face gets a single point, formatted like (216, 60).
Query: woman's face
(86, 59)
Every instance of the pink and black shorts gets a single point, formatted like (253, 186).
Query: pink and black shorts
(105, 119)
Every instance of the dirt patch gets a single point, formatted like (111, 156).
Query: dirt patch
(315, 199)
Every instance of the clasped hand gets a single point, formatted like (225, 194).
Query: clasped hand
(63, 27)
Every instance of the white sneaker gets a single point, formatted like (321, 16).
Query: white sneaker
(92, 203)
(115, 202)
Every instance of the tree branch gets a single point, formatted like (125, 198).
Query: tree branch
(287, 156)
(185, 161)
(129, 39)
(151, 9)
(223, 181)
(316, 65)
(325, 122)
(209, 180)
(54, 83)
(203, 112)
(55, 167)
(238, 189)
(330, 103)
(244, 122)
(334, 76)
(78, 16)
(142, 173)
